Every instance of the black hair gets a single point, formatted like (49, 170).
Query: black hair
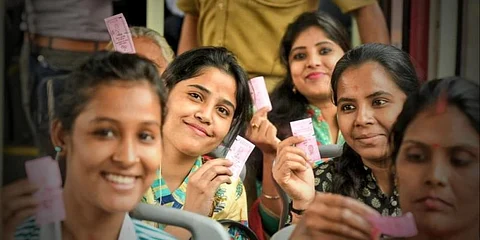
(457, 91)
(191, 64)
(104, 68)
(287, 104)
(349, 167)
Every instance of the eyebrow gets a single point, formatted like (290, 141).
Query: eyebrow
(317, 44)
(424, 145)
(375, 94)
(111, 120)
(208, 92)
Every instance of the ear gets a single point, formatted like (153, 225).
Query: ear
(58, 135)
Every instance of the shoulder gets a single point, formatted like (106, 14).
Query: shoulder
(147, 232)
(27, 230)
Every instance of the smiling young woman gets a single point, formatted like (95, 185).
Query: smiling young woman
(208, 98)
(108, 126)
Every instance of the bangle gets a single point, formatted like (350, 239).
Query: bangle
(296, 211)
(270, 196)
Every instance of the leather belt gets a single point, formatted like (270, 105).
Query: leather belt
(73, 45)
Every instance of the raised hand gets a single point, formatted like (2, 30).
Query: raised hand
(18, 204)
(293, 172)
(262, 132)
(203, 184)
(332, 216)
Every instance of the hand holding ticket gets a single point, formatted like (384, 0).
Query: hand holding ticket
(403, 226)
(120, 33)
(304, 128)
(259, 93)
(238, 154)
(45, 173)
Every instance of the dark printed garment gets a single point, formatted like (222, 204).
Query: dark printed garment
(370, 193)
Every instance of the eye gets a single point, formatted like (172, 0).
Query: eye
(145, 136)
(105, 133)
(299, 56)
(223, 111)
(379, 102)
(325, 51)
(347, 107)
(461, 158)
(195, 96)
(415, 154)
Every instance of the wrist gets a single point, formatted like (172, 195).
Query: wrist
(300, 204)
(296, 209)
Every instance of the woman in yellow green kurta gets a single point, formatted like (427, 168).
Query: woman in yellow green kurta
(208, 98)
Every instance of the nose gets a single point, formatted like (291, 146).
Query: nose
(126, 154)
(364, 116)
(438, 169)
(314, 60)
(204, 114)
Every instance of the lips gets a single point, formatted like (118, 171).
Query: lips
(367, 136)
(198, 130)
(433, 203)
(120, 181)
(315, 75)
(368, 139)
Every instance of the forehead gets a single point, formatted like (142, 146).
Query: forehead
(310, 36)
(217, 82)
(449, 128)
(365, 79)
(126, 101)
(147, 48)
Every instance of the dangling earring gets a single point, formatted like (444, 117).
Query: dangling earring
(58, 149)
(294, 90)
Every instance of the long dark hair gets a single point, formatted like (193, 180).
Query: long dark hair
(457, 91)
(288, 105)
(191, 64)
(349, 167)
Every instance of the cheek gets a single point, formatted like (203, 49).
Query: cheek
(296, 70)
(345, 124)
(223, 127)
(407, 178)
(465, 186)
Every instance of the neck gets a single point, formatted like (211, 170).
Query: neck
(86, 222)
(324, 103)
(175, 165)
(382, 172)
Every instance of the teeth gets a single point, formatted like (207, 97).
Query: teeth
(119, 179)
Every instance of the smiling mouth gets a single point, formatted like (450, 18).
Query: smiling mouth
(315, 75)
(120, 182)
(198, 130)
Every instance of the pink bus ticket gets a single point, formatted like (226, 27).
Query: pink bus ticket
(238, 154)
(120, 33)
(399, 227)
(304, 128)
(259, 93)
(45, 173)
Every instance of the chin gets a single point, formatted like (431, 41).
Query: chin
(195, 150)
(120, 204)
(372, 155)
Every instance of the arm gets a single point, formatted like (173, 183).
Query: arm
(371, 24)
(270, 196)
(188, 36)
